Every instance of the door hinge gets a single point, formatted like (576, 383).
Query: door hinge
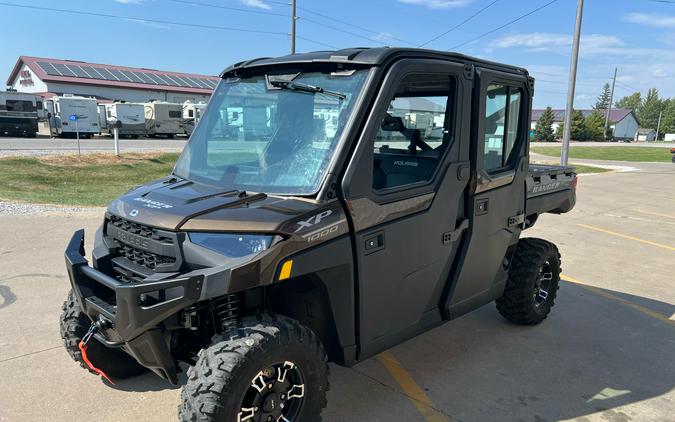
(516, 220)
(453, 236)
(468, 71)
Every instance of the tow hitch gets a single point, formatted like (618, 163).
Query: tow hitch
(96, 326)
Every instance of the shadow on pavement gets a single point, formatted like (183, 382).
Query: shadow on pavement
(592, 354)
(147, 382)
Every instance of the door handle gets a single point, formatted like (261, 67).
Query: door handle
(374, 243)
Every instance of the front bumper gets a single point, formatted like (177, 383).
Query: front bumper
(135, 328)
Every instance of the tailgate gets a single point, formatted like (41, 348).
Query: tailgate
(550, 189)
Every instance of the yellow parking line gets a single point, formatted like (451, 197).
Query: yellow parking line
(648, 242)
(607, 295)
(410, 387)
(658, 214)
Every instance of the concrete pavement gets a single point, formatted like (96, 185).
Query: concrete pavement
(604, 354)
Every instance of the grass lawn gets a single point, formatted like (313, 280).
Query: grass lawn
(95, 179)
(581, 169)
(652, 154)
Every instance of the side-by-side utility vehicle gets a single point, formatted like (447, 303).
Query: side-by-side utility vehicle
(328, 206)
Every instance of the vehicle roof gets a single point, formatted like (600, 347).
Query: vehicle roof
(366, 57)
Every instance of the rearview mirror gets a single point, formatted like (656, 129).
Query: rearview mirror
(392, 124)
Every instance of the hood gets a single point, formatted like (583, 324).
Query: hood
(176, 204)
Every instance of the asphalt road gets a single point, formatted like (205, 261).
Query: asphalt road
(606, 353)
(44, 145)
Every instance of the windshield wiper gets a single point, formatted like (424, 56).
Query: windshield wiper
(297, 86)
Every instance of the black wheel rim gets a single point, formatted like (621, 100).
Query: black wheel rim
(542, 287)
(276, 394)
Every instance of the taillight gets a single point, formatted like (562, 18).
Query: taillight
(575, 181)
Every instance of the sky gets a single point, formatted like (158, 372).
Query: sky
(636, 36)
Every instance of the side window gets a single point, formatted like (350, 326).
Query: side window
(502, 117)
(415, 132)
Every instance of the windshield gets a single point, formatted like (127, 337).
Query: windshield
(272, 138)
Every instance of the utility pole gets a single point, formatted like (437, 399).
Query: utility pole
(571, 85)
(658, 127)
(293, 19)
(611, 100)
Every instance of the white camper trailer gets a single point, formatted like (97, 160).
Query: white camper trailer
(18, 114)
(192, 112)
(131, 118)
(163, 118)
(61, 108)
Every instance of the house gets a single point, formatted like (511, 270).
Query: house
(645, 135)
(622, 121)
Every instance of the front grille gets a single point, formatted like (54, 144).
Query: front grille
(139, 229)
(147, 259)
(134, 251)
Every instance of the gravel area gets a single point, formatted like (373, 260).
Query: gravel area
(18, 208)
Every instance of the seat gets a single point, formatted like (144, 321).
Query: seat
(401, 169)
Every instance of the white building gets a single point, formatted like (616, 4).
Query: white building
(622, 121)
(107, 83)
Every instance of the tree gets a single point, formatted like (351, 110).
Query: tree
(668, 120)
(543, 130)
(604, 99)
(578, 128)
(648, 113)
(594, 126)
(631, 102)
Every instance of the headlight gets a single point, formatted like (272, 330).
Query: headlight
(232, 245)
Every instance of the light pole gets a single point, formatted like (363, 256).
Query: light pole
(293, 19)
(571, 85)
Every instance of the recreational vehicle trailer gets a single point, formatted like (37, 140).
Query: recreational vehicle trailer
(60, 108)
(18, 114)
(130, 115)
(192, 112)
(163, 118)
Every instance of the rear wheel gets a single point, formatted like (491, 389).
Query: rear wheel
(533, 282)
(74, 325)
(267, 369)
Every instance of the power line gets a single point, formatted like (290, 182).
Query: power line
(511, 22)
(317, 42)
(626, 87)
(141, 20)
(262, 12)
(304, 9)
(353, 34)
(236, 9)
(459, 24)
(549, 92)
(594, 84)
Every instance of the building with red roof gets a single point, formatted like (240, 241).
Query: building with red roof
(48, 77)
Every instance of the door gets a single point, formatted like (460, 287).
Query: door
(102, 117)
(497, 203)
(406, 189)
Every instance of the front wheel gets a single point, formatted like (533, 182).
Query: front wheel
(267, 369)
(533, 282)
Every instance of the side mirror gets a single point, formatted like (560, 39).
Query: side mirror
(392, 124)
